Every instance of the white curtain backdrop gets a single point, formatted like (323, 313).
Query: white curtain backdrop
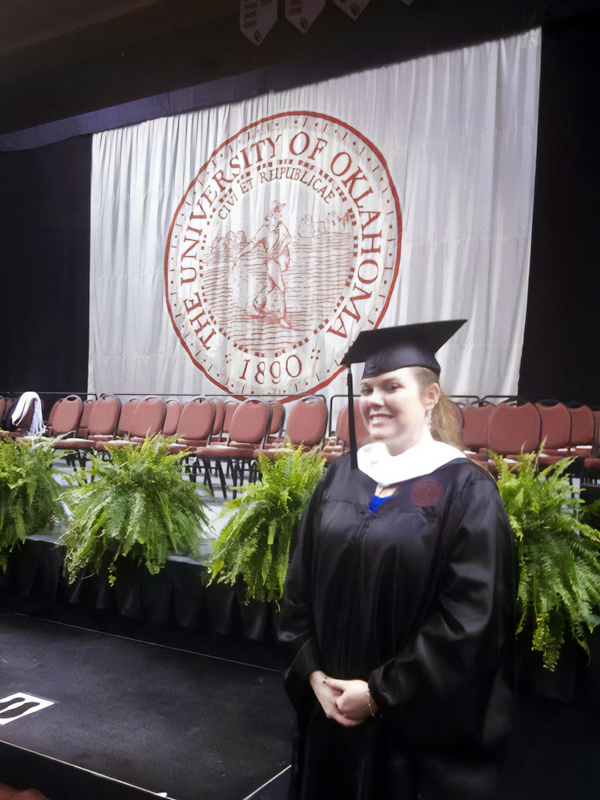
(458, 132)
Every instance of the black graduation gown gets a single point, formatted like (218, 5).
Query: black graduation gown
(416, 598)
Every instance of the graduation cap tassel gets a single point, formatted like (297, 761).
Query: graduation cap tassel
(351, 426)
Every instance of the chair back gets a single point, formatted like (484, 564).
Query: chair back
(582, 425)
(230, 409)
(196, 421)
(104, 416)
(250, 423)
(52, 412)
(8, 410)
(342, 427)
(219, 418)
(457, 412)
(173, 412)
(126, 416)
(307, 421)
(277, 418)
(84, 419)
(556, 425)
(148, 417)
(25, 415)
(66, 414)
(475, 425)
(514, 429)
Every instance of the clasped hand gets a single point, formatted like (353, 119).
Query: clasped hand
(346, 702)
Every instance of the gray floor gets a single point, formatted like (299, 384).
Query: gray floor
(163, 719)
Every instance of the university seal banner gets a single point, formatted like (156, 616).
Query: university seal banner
(295, 207)
(240, 249)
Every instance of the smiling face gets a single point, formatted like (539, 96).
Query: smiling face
(396, 409)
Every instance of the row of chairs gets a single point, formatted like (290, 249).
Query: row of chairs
(210, 434)
(511, 428)
(213, 433)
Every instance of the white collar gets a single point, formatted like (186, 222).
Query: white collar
(422, 459)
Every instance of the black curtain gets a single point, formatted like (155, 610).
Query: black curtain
(44, 267)
(561, 354)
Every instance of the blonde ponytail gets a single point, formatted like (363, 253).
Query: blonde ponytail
(445, 425)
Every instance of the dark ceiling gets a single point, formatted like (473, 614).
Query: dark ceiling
(60, 58)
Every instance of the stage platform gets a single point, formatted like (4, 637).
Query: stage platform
(158, 718)
(164, 686)
(131, 720)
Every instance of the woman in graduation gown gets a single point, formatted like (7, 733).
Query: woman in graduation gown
(397, 620)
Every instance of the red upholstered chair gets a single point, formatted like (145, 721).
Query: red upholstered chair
(514, 429)
(592, 463)
(9, 405)
(25, 410)
(194, 430)
(219, 420)
(476, 420)
(123, 425)
(248, 431)
(126, 417)
(84, 420)
(102, 423)
(104, 418)
(64, 420)
(174, 408)
(195, 425)
(307, 421)
(65, 416)
(458, 413)
(582, 430)
(340, 443)
(556, 431)
(230, 408)
(146, 420)
(581, 439)
(277, 421)
(306, 425)
(51, 414)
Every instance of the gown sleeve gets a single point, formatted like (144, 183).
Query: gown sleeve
(295, 627)
(452, 682)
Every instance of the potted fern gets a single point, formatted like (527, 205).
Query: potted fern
(130, 511)
(559, 554)
(29, 492)
(254, 544)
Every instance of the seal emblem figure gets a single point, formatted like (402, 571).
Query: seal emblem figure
(284, 247)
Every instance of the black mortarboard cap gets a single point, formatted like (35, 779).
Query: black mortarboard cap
(386, 349)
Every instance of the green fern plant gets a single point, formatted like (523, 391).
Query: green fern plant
(136, 506)
(559, 554)
(255, 541)
(29, 492)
